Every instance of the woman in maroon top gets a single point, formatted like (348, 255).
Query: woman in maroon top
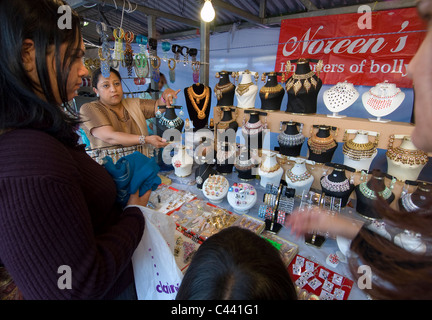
(62, 236)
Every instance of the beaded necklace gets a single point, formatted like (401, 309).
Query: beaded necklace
(370, 194)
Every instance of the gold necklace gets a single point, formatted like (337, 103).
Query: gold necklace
(193, 96)
(295, 82)
(242, 88)
(220, 90)
(268, 90)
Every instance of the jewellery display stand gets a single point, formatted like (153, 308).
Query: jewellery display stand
(359, 152)
(204, 170)
(225, 157)
(224, 90)
(169, 120)
(182, 162)
(322, 145)
(215, 188)
(242, 197)
(340, 97)
(303, 87)
(198, 102)
(227, 120)
(291, 139)
(270, 171)
(336, 184)
(246, 91)
(246, 164)
(253, 129)
(405, 162)
(298, 177)
(366, 194)
(382, 100)
(272, 93)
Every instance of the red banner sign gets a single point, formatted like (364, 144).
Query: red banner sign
(362, 48)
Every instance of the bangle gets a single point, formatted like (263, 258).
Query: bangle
(142, 139)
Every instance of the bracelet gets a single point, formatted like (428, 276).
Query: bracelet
(142, 139)
(163, 100)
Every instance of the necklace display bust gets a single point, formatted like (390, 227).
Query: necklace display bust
(224, 89)
(303, 87)
(336, 184)
(271, 94)
(360, 152)
(367, 195)
(225, 157)
(298, 177)
(322, 145)
(291, 139)
(340, 97)
(405, 162)
(382, 100)
(198, 102)
(253, 130)
(246, 164)
(246, 91)
(270, 171)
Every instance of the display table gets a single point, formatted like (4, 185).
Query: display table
(317, 255)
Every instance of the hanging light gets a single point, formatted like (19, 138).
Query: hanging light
(207, 11)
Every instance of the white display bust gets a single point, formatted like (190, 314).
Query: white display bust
(340, 97)
(382, 100)
(246, 91)
(361, 137)
(276, 171)
(298, 177)
(182, 162)
(404, 171)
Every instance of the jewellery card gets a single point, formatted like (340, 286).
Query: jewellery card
(318, 280)
(287, 249)
(166, 199)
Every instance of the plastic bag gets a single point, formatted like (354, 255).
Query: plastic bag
(157, 276)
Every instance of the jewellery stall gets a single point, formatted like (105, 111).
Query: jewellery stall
(256, 186)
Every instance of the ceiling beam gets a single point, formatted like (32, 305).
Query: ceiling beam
(375, 6)
(237, 11)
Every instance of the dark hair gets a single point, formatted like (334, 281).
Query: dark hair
(98, 72)
(236, 264)
(20, 106)
(397, 272)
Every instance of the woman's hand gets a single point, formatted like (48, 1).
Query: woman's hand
(169, 95)
(320, 221)
(156, 141)
(135, 199)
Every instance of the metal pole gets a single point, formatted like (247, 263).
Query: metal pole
(151, 22)
(205, 52)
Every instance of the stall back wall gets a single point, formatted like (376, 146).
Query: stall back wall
(256, 50)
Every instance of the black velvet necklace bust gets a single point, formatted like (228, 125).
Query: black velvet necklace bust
(303, 101)
(291, 140)
(244, 165)
(224, 90)
(366, 205)
(203, 104)
(252, 130)
(225, 157)
(337, 185)
(326, 153)
(272, 93)
(421, 198)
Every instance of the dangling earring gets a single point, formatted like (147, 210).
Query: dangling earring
(158, 113)
(181, 113)
(263, 77)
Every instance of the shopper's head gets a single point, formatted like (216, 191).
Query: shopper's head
(109, 90)
(236, 264)
(41, 63)
(420, 70)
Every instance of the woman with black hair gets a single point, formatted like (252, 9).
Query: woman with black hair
(236, 264)
(62, 235)
(113, 120)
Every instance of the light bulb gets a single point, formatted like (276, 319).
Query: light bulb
(207, 11)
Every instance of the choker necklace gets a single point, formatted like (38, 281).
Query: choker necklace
(243, 88)
(290, 140)
(224, 124)
(221, 89)
(406, 156)
(193, 96)
(270, 90)
(370, 194)
(170, 124)
(358, 151)
(341, 186)
(222, 156)
(295, 82)
(252, 128)
(298, 177)
(320, 145)
(271, 169)
(408, 204)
